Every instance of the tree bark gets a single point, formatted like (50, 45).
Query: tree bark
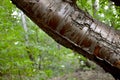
(77, 30)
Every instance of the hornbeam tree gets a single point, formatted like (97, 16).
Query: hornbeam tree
(75, 29)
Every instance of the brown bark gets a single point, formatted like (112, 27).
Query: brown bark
(77, 30)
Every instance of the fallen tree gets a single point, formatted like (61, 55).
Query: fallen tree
(77, 30)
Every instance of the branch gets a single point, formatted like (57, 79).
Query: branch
(77, 30)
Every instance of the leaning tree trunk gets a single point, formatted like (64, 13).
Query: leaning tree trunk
(75, 29)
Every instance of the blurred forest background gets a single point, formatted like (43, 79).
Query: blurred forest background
(27, 53)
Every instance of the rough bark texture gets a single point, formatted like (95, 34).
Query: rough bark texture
(77, 30)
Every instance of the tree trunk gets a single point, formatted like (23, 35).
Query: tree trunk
(24, 25)
(77, 30)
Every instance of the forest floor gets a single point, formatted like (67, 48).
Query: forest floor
(79, 74)
(96, 74)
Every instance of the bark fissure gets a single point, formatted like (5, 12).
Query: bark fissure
(101, 37)
(77, 30)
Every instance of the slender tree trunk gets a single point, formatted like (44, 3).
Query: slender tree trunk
(95, 7)
(24, 25)
(77, 30)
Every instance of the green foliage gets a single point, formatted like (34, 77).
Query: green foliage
(40, 59)
(106, 11)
